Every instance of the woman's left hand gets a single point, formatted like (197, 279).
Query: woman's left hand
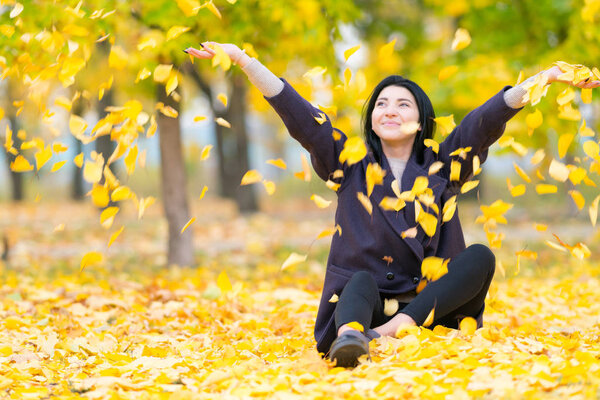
(555, 72)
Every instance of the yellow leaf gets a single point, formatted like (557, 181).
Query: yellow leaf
(305, 174)
(476, 165)
(591, 149)
(143, 204)
(409, 128)
(350, 51)
(313, 72)
(191, 221)
(565, 97)
(114, 236)
(543, 188)
(329, 110)
(222, 98)
(455, 171)
(77, 125)
(386, 51)
(121, 193)
(162, 72)
(17, 9)
(223, 282)
(250, 177)
(221, 58)
(319, 201)
(409, 233)
(131, 159)
(435, 167)
(462, 39)
(57, 165)
(347, 76)
(447, 72)
(586, 96)
(586, 131)
(176, 31)
(205, 152)
(334, 298)
(269, 187)
(558, 171)
(279, 163)
(355, 325)
(189, 7)
(538, 156)
(20, 164)
(223, 122)
(199, 118)
(107, 216)
(354, 150)
(522, 173)
(332, 185)
(433, 268)
(593, 210)
(469, 186)
(212, 8)
(577, 198)
(330, 232)
(142, 74)
(430, 318)
(374, 176)
(117, 58)
(366, 203)
(435, 146)
(391, 203)
(293, 259)
(91, 258)
(468, 326)
(172, 83)
(449, 209)
(321, 119)
(516, 191)
(99, 195)
(42, 157)
(428, 222)
(78, 160)
(203, 192)
(390, 306)
(445, 124)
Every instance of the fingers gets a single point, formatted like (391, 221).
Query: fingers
(199, 53)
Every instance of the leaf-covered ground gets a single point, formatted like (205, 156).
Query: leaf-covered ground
(239, 327)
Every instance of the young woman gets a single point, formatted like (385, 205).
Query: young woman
(371, 262)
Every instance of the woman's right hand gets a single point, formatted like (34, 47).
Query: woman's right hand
(234, 52)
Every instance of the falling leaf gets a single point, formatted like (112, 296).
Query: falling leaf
(586, 131)
(99, 194)
(433, 268)
(130, 160)
(350, 51)
(115, 235)
(355, 325)
(107, 216)
(203, 192)
(162, 72)
(558, 171)
(42, 157)
(319, 201)
(221, 58)
(347, 76)
(538, 156)
(20, 164)
(593, 210)
(374, 176)
(315, 71)
(386, 51)
(321, 118)
(223, 282)
(468, 326)
(430, 318)
(205, 152)
(364, 200)
(591, 149)
(392, 203)
(534, 120)
(222, 122)
(143, 205)
(89, 259)
(445, 124)
(292, 260)
(222, 97)
(410, 233)
(455, 171)
(77, 125)
(17, 9)
(334, 298)
(176, 31)
(462, 39)
(142, 74)
(279, 163)
(57, 165)
(191, 221)
(117, 58)
(390, 307)
(447, 72)
(544, 188)
(586, 96)
(121, 193)
(354, 151)
(522, 173)
(409, 128)
(172, 83)
(189, 7)
(577, 198)
(470, 185)
(435, 167)
(250, 177)
(449, 209)
(212, 8)
(305, 174)
(515, 191)
(330, 232)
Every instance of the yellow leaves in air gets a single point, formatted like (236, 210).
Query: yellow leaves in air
(190, 222)
(515, 191)
(220, 58)
(121, 193)
(114, 236)
(143, 74)
(143, 204)
(212, 8)
(189, 7)
(314, 72)
(223, 122)
(593, 211)
(250, 177)
(544, 188)
(321, 118)
(533, 120)
(20, 164)
(493, 214)
(17, 9)
(455, 167)
(107, 216)
(462, 39)
(70, 67)
(426, 220)
(392, 203)
(433, 268)
(77, 125)
(591, 149)
(89, 259)
(559, 171)
(172, 83)
(447, 72)
(279, 163)
(536, 89)
(469, 186)
(130, 160)
(374, 176)
(449, 209)
(468, 326)
(319, 201)
(176, 31)
(350, 51)
(205, 153)
(292, 260)
(507, 141)
(330, 232)
(223, 282)
(203, 192)
(356, 325)
(366, 203)
(430, 318)
(522, 173)
(166, 110)
(354, 150)
(305, 174)
(92, 170)
(390, 307)
(435, 146)
(117, 58)
(57, 165)
(445, 124)
(580, 250)
(409, 128)
(42, 156)
(162, 72)
(222, 98)
(334, 298)
(586, 96)
(99, 194)
(578, 198)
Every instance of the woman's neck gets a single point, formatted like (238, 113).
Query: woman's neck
(399, 150)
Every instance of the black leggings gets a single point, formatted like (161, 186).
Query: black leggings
(459, 293)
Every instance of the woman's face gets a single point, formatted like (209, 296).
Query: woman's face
(395, 106)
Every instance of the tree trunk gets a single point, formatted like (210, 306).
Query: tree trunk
(78, 189)
(104, 145)
(16, 178)
(180, 248)
(232, 147)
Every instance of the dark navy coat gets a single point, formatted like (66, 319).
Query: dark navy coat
(367, 239)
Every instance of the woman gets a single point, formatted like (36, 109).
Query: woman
(372, 263)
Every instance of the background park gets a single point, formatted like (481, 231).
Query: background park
(163, 237)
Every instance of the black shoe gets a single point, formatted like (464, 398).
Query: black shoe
(347, 348)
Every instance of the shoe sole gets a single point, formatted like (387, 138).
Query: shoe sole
(347, 355)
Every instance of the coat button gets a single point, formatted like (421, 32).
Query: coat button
(416, 279)
(389, 276)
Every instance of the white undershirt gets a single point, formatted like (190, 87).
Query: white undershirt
(397, 165)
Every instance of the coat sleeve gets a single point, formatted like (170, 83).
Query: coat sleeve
(299, 117)
(478, 130)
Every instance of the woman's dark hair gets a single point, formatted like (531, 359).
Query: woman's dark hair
(426, 116)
